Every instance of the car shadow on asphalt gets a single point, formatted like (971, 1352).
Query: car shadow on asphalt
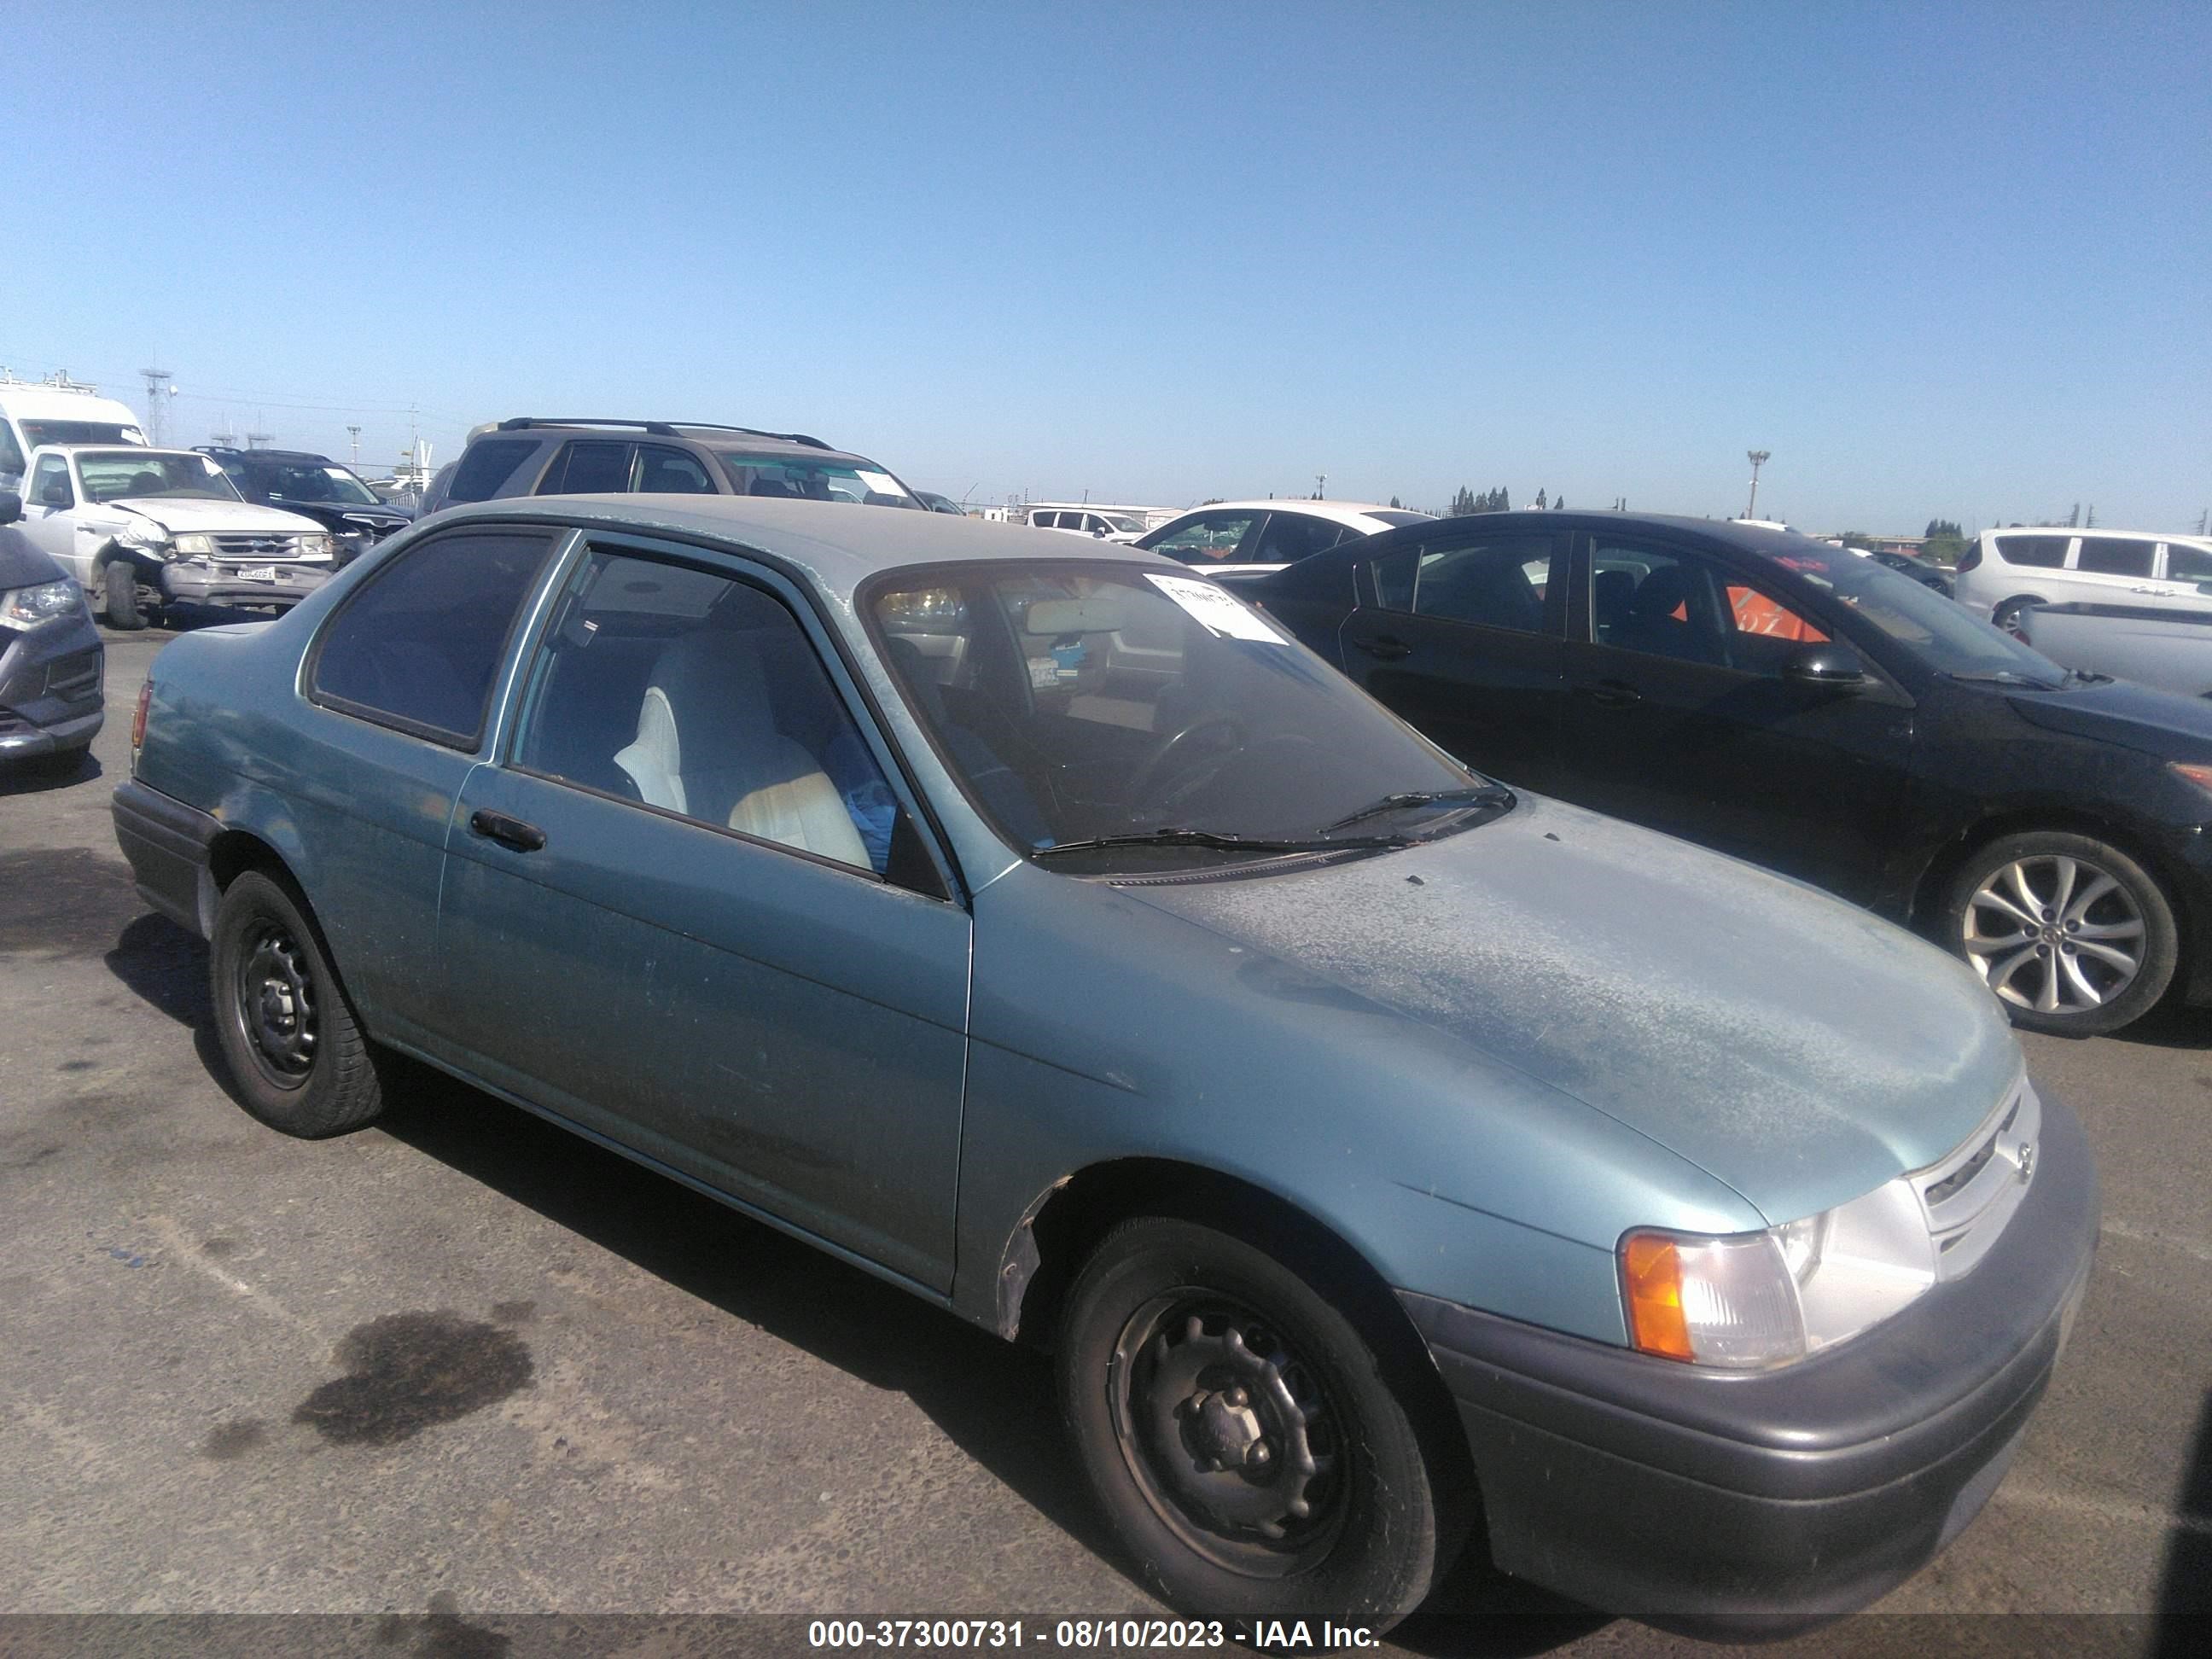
(2185, 1589)
(2170, 1027)
(36, 777)
(994, 1399)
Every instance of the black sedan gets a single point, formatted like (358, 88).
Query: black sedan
(1927, 574)
(1808, 709)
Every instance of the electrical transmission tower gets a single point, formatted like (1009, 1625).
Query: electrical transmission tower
(157, 388)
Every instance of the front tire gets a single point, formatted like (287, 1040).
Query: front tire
(120, 584)
(2074, 936)
(1254, 1454)
(2006, 617)
(293, 1047)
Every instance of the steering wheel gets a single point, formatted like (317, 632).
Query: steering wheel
(1160, 761)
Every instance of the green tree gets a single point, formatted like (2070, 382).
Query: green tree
(1395, 502)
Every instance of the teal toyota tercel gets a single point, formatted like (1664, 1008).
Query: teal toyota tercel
(1383, 1151)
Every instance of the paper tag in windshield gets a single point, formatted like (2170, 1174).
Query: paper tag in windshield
(1215, 610)
(881, 484)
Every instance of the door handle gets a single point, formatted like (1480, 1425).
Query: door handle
(1612, 694)
(506, 831)
(1384, 648)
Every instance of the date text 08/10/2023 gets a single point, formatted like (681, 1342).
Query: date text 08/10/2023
(1080, 1635)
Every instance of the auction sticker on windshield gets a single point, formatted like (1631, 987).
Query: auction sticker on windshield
(1215, 610)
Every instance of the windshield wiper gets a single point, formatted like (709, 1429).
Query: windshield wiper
(2006, 677)
(1220, 839)
(1480, 794)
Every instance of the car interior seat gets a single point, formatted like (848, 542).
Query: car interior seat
(707, 746)
(146, 484)
(1666, 618)
(1610, 593)
(1489, 590)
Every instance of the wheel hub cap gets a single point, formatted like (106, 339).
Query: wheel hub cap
(275, 1005)
(2056, 935)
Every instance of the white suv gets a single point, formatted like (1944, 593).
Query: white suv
(2004, 571)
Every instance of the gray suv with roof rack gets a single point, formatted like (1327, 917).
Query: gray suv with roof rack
(533, 455)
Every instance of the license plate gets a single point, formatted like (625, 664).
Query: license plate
(259, 573)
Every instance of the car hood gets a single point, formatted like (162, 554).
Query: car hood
(1794, 1047)
(2160, 723)
(183, 516)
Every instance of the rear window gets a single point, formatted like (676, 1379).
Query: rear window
(1398, 519)
(418, 645)
(2047, 551)
(489, 463)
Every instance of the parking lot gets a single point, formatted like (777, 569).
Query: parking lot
(463, 1361)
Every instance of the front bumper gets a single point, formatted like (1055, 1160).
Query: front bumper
(194, 581)
(1757, 1502)
(52, 689)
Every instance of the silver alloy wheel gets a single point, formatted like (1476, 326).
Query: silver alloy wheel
(2054, 934)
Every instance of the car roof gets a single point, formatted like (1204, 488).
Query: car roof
(114, 446)
(1339, 512)
(838, 546)
(287, 457)
(707, 436)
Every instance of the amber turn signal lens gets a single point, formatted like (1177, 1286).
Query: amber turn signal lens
(1652, 1281)
(138, 720)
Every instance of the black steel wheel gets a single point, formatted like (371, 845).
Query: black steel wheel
(295, 1050)
(1256, 1453)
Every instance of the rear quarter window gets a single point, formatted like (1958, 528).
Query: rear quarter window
(485, 470)
(417, 646)
(2045, 552)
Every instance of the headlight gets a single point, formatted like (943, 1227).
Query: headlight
(311, 547)
(143, 532)
(26, 607)
(1750, 1301)
(195, 547)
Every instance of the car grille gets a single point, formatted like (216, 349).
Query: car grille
(75, 675)
(1971, 1194)
(256, 547)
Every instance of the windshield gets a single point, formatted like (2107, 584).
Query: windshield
(1395, 519)
(1077, 700)
(79, 432)
(111, 475)
(1944, 635)
(806, 479)
(315, 482)
(1120, 524)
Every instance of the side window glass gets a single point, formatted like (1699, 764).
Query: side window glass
(1290, 537)
(49, 484)
(11, 452)
(2044, 552)
(683, 689)
(2113, 555)
(1761, 632)
(2185, 563)
(1498, 581)
(1207, 539)
(589, 466)
(664, 471)
(486, 467)
(1659, 603)
(418, 645)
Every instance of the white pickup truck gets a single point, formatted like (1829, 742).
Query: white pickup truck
(142, 528)
(2167, 648)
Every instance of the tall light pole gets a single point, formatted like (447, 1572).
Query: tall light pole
(157, 385)
(353, 432)
(1758, 457)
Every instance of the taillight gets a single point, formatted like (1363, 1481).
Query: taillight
(138, 722)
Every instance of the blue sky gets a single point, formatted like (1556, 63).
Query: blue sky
(1949, 261)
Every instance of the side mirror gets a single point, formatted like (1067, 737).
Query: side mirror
(11, 506)
(56, 493)
(2205, 588)
(1831, 664)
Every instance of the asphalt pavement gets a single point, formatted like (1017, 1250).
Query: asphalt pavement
(462, 1367)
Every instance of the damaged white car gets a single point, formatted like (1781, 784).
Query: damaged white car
(141, 529)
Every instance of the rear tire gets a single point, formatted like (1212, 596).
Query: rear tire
(2075, 937)
(119, 580)
(1254, 1454)
(289, 1037)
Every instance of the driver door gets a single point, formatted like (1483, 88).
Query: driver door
(1678, 716)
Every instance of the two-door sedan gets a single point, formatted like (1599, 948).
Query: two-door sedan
(1038, 927)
